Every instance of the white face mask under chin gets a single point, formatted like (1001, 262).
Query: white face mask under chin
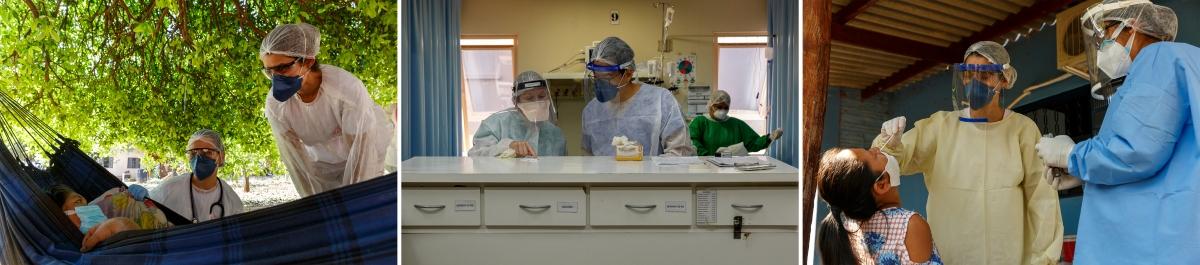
(1113, 57)
(893, 170)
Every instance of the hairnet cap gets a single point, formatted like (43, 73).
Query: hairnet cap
(294, 40)
(719, 96)
(614, 51)
(1144, 16)
(996, 54)
(208, 136)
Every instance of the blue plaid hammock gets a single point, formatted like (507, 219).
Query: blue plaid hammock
(352, 225)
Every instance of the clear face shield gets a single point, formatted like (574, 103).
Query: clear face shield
(535, 101)
(1108, 59)
(606, 80)
(1106, 72)
(976, 86)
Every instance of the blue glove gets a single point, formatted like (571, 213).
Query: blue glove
(138, 192)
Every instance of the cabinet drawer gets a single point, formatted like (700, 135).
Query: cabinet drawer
(535, 207)
(440, 207)
(757, 206)
(641, 206)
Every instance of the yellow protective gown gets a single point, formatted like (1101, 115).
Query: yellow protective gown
(988, 202)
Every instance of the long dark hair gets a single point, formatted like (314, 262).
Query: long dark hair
(844, 184)
(60, 193)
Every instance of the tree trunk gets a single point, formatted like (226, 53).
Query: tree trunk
(817, 17)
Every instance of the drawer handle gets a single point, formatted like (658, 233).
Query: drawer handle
(534, 207)
(422, 206)
(641, 206)
(746, 206)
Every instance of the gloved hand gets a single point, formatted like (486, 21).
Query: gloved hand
(776, 134)
(138, 192)
(523, 149)
(890, 133)
(1061, 180)
(1055, 151)
(737, 149)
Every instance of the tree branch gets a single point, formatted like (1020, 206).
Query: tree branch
(33, 9)
(246, 21)
(181, 21)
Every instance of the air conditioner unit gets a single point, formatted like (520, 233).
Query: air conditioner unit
(1072, 55)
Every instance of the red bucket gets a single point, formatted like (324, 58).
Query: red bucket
(1068, 248)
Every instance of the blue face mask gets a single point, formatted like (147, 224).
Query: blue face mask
(203, 167)
(89, 216)
(980, 94)
(605, 90)
(284, 87)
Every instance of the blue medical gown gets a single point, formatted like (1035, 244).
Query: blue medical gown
(651, 117)
(502, 128)
(1141, 202)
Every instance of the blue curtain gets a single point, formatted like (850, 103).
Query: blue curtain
(431, 80)
(784, 81)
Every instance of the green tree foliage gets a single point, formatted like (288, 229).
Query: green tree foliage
(148, 73)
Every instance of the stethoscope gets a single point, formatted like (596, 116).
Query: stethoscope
(219, 203)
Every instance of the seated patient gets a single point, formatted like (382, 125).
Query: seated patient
(115, 211)
(866, 224)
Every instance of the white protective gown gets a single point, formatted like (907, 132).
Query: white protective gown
(173, 193)
(338, 139)
(988, 202)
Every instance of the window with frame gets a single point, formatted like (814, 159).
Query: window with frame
(488, 69)
(135, 162)
(742, 72)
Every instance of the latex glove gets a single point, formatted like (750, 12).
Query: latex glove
(776, 134)
(1061, 180)
(523, 149)
(890, 133)
(508, 153)
(138, 192)
(1055, 151)
(737, 149)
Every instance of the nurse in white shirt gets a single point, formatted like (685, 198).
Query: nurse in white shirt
(329, 131)
(200, 196)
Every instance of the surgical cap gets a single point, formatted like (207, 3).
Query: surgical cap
(614, 51)
(208, 136)
(720, 96)
(1148, 18)
(996, 54)
(293, 40)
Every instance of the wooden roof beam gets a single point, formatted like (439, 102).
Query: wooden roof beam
(1013, 22)
(851, 10)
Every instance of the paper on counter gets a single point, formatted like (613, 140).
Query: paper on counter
(735, 161)
(676, 160)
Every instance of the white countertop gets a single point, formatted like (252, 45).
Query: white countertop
(582, 170)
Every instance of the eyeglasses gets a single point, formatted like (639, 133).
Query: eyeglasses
(279, 68)
(206, 152)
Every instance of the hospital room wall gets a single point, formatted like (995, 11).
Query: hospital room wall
(549, 32)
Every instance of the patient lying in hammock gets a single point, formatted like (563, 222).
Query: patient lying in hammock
(115, 211)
